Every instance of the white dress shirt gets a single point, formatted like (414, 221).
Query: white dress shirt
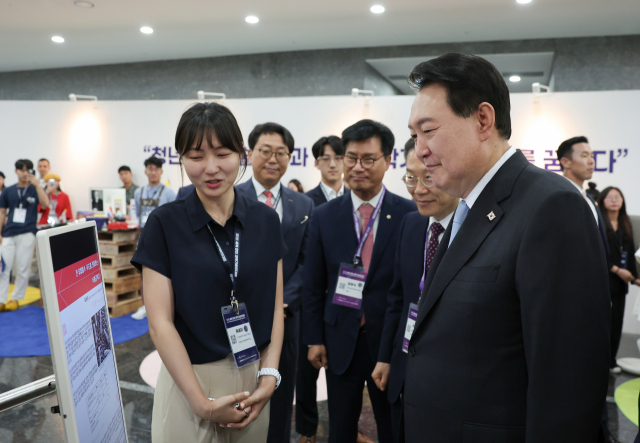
(356, 201)
(444, 222)
(330, 193)
(263, 198)
(584, 194)
(478, 188)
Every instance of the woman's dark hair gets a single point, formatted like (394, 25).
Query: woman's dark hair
(366, 129)
(298, 184)
(336, 144)
(469, 81)
(201, 122)
(271, 128)
(624, 222)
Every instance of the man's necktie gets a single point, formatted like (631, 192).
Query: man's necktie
(458, 218)
(436, 229)
(365, 211)
(269, 201)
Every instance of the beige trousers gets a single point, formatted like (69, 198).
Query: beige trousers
(173, 420)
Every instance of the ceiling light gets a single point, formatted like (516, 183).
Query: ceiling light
(83, 4)
(57, 39)
(523, 2)
(379, 9)
(514, 79)
(251, 19)
(146, 30)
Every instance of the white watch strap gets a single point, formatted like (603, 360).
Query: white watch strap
(269, 371)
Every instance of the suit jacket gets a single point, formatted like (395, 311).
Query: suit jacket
(409, 265)
(602, 230)
(318, 196)
(184, 191)
(332, 241)
(511, 343)
(296, 210)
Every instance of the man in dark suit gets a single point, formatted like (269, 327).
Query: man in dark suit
(348, 272)
(511, 341)
(420, 235)
(270, 147)
(577, 164)
(328, 152)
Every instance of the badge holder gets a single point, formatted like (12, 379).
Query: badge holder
(351, 279)
(411, 324)
(236, 322)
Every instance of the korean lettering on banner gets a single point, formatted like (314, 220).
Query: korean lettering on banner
(164, 153)
(86, 268)
(551, 162)
(299, 157)
(394, 156)
(529, 155)
(601, 157)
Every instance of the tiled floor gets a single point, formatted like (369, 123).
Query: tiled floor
(34, 423)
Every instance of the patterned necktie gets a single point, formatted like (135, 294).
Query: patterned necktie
(436, 229)
(269, 201)
(458, 218)
(365, 211)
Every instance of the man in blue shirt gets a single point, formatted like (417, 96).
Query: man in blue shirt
(19, 206)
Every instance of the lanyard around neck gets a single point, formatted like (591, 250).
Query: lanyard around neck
(153, 197)
(362, 239)
(232, 271)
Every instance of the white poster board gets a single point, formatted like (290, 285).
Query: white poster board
(80, 334)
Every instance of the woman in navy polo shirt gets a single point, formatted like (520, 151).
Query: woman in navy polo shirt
(188, 254)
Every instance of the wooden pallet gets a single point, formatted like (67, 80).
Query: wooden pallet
(117, 236)
(125, 307)
(123, 284)
(108, 248)
(116, 261)
(112, 274)
(113, 298)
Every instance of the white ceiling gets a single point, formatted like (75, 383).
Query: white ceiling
(109, 32)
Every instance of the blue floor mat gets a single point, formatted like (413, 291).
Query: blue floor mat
(23, 333)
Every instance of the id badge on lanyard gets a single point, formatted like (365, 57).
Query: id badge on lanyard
(235, 315)
(411, 324)
(20, 213)
(352, 277)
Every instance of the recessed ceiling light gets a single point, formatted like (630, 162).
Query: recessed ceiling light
(83, 4)
(523, 2)
(251, 19)
(514, 79)
(379, 9)
(146, 30)
(57, 39)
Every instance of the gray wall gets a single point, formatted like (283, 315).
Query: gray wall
(581, 64)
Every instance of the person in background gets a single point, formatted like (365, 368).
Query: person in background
(620, 236)
(270, 146)
(184, 191)
(127, 183)
(148, 198)
(1, 181)
(212, 387)
(420, 235)
(19, 204)
(59, 202)
(348, 272)
(592, 191)
(328, 152)
(44, 167)
(295, 185)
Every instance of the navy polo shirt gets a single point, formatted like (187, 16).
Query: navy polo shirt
(176, 243)
(11, 199)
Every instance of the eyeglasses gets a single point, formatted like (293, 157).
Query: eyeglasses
(281, 156)
(367, 163)
(412, 181)
(325, 159)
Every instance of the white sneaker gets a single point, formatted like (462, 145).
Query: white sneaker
(616, 370)
(140, 314)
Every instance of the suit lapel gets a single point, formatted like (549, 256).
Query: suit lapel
(288, 209)
(345, 238)
(474, 230)
(249, 189)
(386, 225)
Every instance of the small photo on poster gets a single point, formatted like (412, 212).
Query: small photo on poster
(100, 326)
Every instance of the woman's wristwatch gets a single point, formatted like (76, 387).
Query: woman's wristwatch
(269, 371)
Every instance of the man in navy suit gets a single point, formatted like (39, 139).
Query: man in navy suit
(420, 235)
(328, 152)
(577, 163)
(270, 147)
(515, 307)
(348, 272)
